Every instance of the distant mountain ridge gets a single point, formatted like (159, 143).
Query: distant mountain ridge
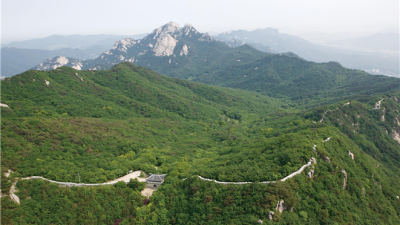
(280, 42)
(185, 53)
(54, 42)
(18, 60)
(180, 52)
(18, 57)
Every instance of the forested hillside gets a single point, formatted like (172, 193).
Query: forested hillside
(102, 124)
(306, 83)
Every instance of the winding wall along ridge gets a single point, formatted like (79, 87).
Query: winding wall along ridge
(70, 184)
(311, 161)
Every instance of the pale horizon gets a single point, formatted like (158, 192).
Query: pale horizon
(24, 20)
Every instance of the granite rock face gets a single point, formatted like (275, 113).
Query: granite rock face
(351, 155)
(310, 174)
(59, 61)
(345, 179)
(169, 40)
(280, 206)
(270, 215)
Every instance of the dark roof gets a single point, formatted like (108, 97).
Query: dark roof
(155, 178)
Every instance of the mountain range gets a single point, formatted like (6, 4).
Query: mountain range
(242, 136)
(18, 57)
(377, 60)
(185, 53)
(55, 42)
(93, 126)
(18, 60)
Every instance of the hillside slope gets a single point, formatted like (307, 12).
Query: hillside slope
(67, 125)
(306, 83)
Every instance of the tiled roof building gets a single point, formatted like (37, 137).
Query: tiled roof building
(155, 178)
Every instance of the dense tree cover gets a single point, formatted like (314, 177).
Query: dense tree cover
(129, 118)
(306, 83)
(125, 91)
(46, 203)
(372, 129)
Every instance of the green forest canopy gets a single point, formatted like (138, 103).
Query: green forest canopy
(101, 124)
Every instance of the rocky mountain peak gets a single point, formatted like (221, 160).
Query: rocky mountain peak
(206, 37)
(165, 45)
(59, 61)
(169, 28)
(167, 40)
(172, 24)
(167, 37)
(124, 44)
(188, 29)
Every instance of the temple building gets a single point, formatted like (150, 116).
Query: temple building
(155, 180)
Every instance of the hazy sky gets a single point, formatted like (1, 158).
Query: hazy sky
(26, 19)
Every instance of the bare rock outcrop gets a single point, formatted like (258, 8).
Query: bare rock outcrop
(165, 45)
(124, 44)
(271, 213)
(59, 61)
(168, 28)
(310, 174)
(206, 37)
(327, 159)
(280, 206)
(326, 140)
(13, 196)
(188, 29)
(351, 155)
(313, 160)
(378, 104)
(7, 174)
(396, 136)
(345, 179)
(315, 149)
(184, 51)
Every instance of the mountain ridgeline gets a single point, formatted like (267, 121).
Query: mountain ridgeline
(123, 92)
(18, 57)
(17, 60)
(187, 54)
(376, 59)
(97, 125)
(177, 52)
